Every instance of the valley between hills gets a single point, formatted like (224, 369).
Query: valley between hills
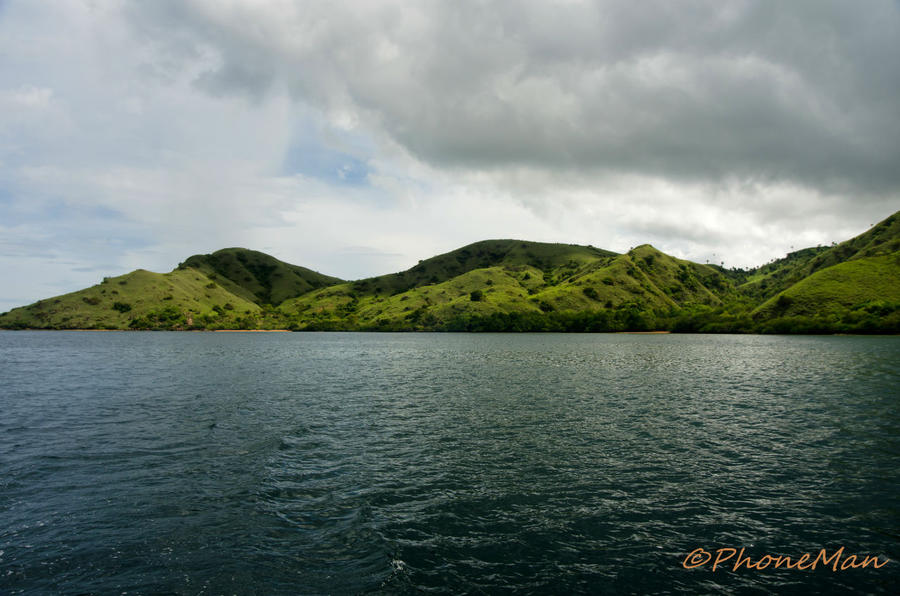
(504, 285)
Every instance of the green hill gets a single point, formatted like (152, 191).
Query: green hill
(481, 255)
(771, 278)
(505, 285)
(256, 276)
(140, 299)
(505, 277)
(768, 280)
(853, 286)
(833, 290)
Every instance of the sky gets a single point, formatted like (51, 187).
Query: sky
(355, 138)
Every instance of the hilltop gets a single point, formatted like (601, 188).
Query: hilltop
(256, 276)
(505, 285)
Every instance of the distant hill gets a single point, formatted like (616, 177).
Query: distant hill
(506, 285)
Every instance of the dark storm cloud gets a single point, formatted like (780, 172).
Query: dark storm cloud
(799, 92)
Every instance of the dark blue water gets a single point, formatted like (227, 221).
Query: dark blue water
(203, 463)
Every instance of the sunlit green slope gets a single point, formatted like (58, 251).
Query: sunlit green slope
(140, 299)
(853, 284)
(770, 279)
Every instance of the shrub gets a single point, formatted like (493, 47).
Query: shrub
(476, 296)
(121, 306)
(783, 303)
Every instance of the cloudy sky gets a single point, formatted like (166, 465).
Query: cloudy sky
(358, 137)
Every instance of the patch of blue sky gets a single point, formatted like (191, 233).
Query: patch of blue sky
(334, 157)
(329, 166)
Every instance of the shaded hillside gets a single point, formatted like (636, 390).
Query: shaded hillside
(256, 276)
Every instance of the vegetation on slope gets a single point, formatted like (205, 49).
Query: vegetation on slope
(773, 278)
(862, 294)
(838, 288)
(506, 285)
(766, 281)
(256, 276)
(182, 299)
(481, 255)
(534, 280)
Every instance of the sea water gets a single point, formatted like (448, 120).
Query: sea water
(345, 463)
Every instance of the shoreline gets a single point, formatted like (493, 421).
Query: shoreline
(2, 329)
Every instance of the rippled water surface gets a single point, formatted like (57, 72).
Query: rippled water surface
(213, 463)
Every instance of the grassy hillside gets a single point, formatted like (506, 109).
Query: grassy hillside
(834, 290)
(480, 255)
(773, 278)
(140, 299)
(256, 276)
(514, 277)
(505, 285)
(342, 306)
(766, 281)
(881, 239)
